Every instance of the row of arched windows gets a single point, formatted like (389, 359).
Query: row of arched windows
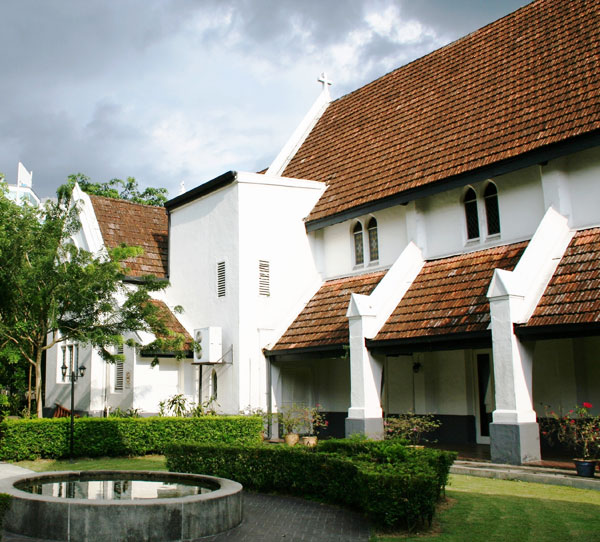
(492, 214)
(359, 242)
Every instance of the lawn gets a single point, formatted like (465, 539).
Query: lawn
(487, 510)
(479, 509)
(148, 462)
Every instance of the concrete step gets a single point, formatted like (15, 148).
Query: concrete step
(540, 475)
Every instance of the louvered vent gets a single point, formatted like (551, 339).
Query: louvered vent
(264, 278)
(119, 371)
(221, 279)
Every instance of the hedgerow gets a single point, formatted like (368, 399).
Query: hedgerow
(95, 437)
(394, 486)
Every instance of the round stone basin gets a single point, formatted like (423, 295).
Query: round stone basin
(121, 506)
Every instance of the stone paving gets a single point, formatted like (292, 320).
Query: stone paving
(269, 518)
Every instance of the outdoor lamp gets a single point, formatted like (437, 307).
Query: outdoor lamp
(81, 370)
(63, 370)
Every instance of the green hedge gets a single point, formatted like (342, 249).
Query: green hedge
(95, 437)
(394, 486)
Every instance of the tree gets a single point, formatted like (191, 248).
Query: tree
(118, 189)
(52, 291)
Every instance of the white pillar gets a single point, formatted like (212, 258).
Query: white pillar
(514, 431)
(513, 296)
(365, 414)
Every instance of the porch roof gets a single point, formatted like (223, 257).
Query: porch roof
(323, 320)
(448, 298)
(572, 297)
(173, 325)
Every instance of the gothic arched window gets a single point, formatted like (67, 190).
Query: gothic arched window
(471, 214)
(492, 214)
(357, 233)
(373, 242)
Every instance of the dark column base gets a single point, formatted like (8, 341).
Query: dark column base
(515, 444)
(371, 427)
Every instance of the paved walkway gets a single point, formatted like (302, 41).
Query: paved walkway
(269, 518)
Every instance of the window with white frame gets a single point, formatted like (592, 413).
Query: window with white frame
(69, 360)
(471, 213)
(373, 241)
(357, 233)
(492, 213)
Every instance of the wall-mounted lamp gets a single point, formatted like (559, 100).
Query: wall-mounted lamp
(416, 367)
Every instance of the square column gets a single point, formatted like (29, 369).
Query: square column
(365, 415)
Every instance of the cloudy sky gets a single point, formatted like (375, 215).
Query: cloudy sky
(183, 90)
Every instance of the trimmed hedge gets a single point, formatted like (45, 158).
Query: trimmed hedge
(95, 437)
(394, 486)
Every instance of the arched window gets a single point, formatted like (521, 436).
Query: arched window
(213, 385)
(492, 214)
(471, 214)
(357, 232)
(373, 242)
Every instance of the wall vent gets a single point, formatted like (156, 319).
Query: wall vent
(221, 279)
(264, 278)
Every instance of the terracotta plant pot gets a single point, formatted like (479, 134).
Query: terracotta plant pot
(291, 439)
(309, 441)
(585, 467)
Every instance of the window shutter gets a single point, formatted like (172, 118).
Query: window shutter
(221, 279)
(264, 278)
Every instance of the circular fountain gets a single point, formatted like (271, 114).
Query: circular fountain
(121, 505)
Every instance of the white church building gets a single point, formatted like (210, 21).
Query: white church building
(428, 243)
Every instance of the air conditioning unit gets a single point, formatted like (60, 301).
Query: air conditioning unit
(210, 345)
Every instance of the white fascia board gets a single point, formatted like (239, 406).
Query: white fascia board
(300, 134)
(533, 272)
(389, 292)
(245, 177)
(90, 229)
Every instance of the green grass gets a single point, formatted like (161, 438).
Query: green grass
(148, 462)
(488, 510)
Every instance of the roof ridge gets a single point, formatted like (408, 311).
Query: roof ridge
(121, 200)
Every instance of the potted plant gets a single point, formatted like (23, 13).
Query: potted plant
(312, 420)
(290, 419)
(580, 431)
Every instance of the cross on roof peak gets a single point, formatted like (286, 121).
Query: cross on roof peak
(324, 81)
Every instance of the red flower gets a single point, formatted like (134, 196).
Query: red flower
(587, 405)
(572, 421)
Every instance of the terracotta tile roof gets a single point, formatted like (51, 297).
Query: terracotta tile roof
(573, 293)
(323, 321)
(171, 322)
(449, 295)
(137, 225)
(523, 82)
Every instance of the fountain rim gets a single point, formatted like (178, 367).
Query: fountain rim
(226, 487)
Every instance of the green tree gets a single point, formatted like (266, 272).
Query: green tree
(52, 291)
(119, 189)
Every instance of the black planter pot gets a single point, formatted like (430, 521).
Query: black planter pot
(585, 468)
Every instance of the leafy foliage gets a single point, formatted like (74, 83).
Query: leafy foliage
(578, 429)
(394, 486)
(119, 189)
(97, 437)
(411, 427)
(52, 291)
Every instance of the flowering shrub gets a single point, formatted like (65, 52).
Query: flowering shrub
(411, 427)
(577, 429)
